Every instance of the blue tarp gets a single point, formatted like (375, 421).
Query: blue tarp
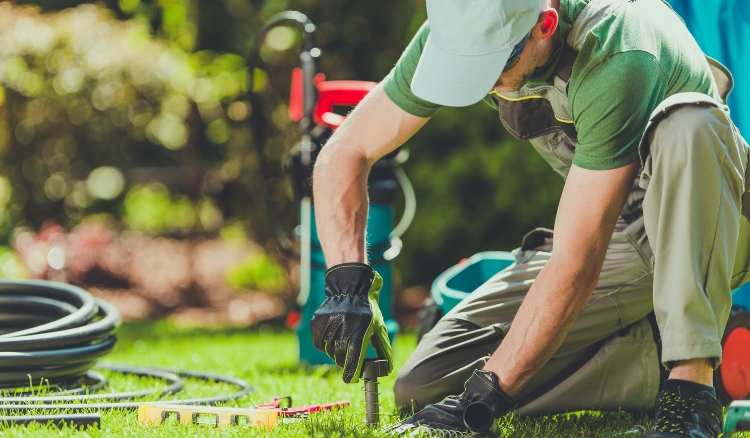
(722, 29)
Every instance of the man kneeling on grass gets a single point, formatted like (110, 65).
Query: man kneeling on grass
(619, 99)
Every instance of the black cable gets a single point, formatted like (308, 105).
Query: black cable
(75, 331)
(305, 25)
(70, 420)
(307, 28)
(54, 333)
(175, 385)
(45, 403)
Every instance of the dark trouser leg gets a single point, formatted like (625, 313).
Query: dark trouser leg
(444, 359)
(464, 339)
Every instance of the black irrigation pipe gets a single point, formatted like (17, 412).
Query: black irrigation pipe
(57, 332)
(45, 403)
(51, 330)
(70, 420)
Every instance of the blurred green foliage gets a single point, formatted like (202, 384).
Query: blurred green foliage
(93, 104)
(137, 108)
(478, 189)
(10, 264)
(152, 209)
(258, 272)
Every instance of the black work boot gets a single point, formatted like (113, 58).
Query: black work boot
(683, 411)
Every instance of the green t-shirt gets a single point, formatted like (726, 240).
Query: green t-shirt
(627, 65)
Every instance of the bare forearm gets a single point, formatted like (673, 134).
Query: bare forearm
(588, 211)
(551, 306)
(376, 127)
(341, 204)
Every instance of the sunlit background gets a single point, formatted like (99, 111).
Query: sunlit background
(126, 164)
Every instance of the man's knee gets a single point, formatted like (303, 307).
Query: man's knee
(407, 390)
(442, 362)
(690, 133)
(420, 386)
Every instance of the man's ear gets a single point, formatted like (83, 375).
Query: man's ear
(547, 24)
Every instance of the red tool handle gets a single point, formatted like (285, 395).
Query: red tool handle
(290, 411)
(330, 94)
(276, 403)
(338, 93)
(297, 93)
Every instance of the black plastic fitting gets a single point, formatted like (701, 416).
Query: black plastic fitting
(371, 370)
(480, 420)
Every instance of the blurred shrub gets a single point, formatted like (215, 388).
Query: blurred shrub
(54, 254)
(233, 232)
(258, 272)
(152, 209)
(11, 266)
(176, 24)
(90, 104)
(478, 189)
(146, 276)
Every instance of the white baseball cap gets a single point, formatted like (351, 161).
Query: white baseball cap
(469, 43)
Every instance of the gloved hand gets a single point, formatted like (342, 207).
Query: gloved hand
(350, 318)
(480, 405)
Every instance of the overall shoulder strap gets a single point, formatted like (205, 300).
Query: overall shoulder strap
(565, 68)
(591, 16)
(722, 76)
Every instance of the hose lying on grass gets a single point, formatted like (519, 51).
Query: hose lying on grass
(56, 332)
(51, 330)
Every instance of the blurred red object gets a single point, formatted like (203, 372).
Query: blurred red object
(149, 276)
(330, 95)
(293, 318)
(54, 255)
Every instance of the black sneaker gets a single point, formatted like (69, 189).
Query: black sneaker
(682, 412)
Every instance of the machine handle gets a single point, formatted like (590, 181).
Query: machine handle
(296, 94)
(344, 93)
(330, 94)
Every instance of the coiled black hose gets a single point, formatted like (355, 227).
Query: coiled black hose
(57, 332)
(51, 330)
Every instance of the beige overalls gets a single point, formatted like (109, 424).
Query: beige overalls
(674, 255)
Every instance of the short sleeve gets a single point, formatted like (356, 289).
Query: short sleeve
(397, 84)
(611, 107)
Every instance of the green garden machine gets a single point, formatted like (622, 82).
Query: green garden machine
(315, 104)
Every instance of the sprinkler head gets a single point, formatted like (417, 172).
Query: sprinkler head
(374, 368)
(371, 370)
(480, 420)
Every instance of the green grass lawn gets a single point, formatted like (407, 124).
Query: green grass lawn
(267, 359)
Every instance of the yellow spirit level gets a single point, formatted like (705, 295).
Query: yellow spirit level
(153, 414)
(266, 415)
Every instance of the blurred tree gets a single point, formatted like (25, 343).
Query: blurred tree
(478, 189)
(92, 104)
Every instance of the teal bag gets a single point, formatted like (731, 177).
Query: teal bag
(722, 29)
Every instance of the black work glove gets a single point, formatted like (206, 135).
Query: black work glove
(480, 405)
(350, 318)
